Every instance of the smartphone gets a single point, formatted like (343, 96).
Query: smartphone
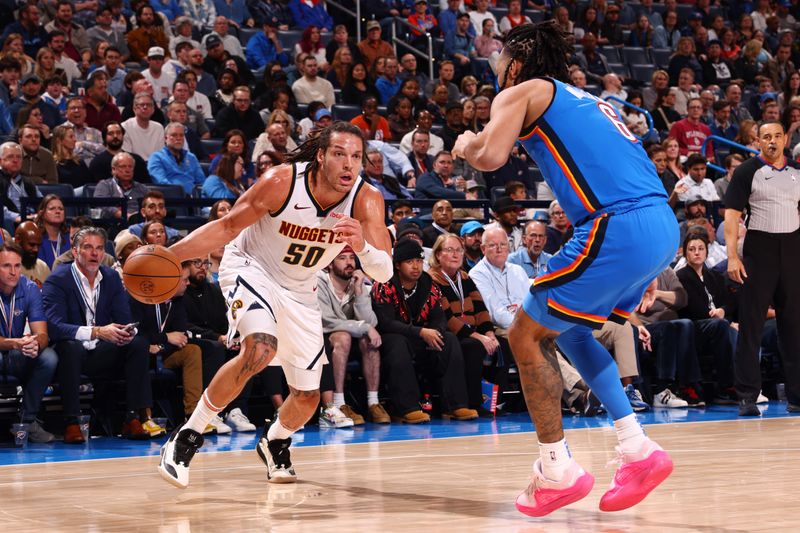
(131, 327)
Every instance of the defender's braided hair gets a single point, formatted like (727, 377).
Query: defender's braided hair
(542, 48)
(321, 140)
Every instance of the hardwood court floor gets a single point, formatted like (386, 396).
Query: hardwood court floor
(736, 476)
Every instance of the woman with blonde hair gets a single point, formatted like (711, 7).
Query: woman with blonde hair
(466, 314)
(340, 66)
(469, 87)
(748, 65)
(46, 65)
(71, 169)
(14, 47)
(468, 115)
(658, 81)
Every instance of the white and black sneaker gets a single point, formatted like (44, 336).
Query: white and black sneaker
(275, 455)
(176, 454)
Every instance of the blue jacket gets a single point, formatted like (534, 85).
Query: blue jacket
(458, 44)
(31, 41)
(260, 50)
(430, 186)
(387, 89)
(305, 16)
(214, 187)
(50, 114)
(166, 170)
(172, 9)
(447, 23)
(66, 311)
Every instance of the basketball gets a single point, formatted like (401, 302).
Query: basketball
(152, 274)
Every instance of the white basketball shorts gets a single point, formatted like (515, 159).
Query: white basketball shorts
(257, 304)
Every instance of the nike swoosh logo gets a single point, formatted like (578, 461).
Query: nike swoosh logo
(298, 206)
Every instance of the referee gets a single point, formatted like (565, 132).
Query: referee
(769, 187)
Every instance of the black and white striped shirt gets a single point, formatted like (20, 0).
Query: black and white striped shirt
(771, 195)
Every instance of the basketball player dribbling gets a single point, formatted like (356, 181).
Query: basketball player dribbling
(625, 234)
(279, 234)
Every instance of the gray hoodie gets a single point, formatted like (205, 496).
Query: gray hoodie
(353, 314)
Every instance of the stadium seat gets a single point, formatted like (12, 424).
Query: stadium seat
(536, 174)
(63, 190)
(684, 11)
(661, 56)
(211, 147)
(498, 12)
(593, 89)
(634, 55)
(246, 33)
(612, 54)
(289, 38)
(345, 112)
(173, 192)
(302, 110)
(88, 190)
(619, 69)
(536, 16)
(642, 73)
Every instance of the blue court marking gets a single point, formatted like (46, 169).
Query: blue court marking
(115, 448)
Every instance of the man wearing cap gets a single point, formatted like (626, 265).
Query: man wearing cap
(240, 115)
(695, 181)
(159, 78)
(442, 223)
(313, 88)
(472, 233)
(532, 257)
(438, 182)
(454, 124)
(413, 329)
(506, 215)
(265, 47)
(31, 89)
(218, 55)
(373, 46)
(28, 237)
(231, 44)
(459, 46)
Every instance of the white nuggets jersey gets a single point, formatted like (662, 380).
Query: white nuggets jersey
(295, 242)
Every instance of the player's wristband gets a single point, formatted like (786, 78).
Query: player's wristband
(376, 263)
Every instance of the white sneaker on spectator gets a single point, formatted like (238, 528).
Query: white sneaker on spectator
(331, 416)
(237, 421)
(221, 427)
(761, 398)
(668, 400)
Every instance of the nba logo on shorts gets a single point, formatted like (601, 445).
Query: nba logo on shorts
(235, 306)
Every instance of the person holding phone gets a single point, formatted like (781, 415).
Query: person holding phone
(90, 322)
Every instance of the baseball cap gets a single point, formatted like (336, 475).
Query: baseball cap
(155, 51)
(696, 200)
(322, 113)
(407, 249)
(470, 227)
(472, 184)
(410, 230)
(505, 203)
(212, 41)
(372, 24)
(768, 96)
(31, 77)
(696, 16)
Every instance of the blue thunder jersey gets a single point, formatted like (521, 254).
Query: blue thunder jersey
(589, 157)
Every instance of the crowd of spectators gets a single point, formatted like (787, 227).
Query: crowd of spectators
(139, 100)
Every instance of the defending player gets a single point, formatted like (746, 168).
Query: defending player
(625, 234)
(283, 230)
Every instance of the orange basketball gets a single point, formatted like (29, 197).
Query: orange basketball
(152, 274)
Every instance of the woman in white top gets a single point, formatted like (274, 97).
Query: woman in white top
(311, 43)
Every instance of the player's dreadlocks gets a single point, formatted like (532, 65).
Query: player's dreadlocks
(542, 48)
(321, 140)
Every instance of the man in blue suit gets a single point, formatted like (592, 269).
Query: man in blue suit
(90, 322)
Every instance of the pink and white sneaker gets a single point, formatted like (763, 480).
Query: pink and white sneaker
(544, 496)
(638, 474)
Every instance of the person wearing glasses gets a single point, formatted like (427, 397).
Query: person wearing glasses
(174, 165)
(143, 136)
(557, 229)
(690, 132)
(239, 115)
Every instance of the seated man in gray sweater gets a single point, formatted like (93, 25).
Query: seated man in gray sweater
(347, 314)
